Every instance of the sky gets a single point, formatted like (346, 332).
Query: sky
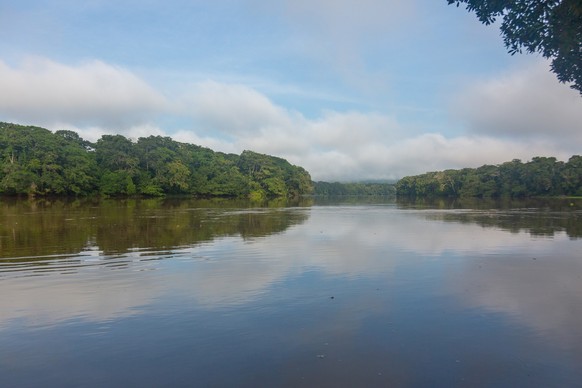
(349, 90)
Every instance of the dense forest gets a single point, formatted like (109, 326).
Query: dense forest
(542, 176)
(353, 189)
(36, 161)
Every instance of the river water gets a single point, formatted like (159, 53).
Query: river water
(151, 293)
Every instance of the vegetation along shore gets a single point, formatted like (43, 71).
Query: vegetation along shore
(37, 162)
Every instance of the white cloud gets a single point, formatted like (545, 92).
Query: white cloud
(214, 143)
(525, 103)
(93, 133)
(96, 98)
(231, 109)
(432, 151)
(339, 145)
(90, 94)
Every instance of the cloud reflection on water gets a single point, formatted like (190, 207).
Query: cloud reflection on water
(347, 242)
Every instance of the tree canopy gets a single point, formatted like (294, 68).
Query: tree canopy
(353, 189)
(542, 176)
(35, 161)
(552, 28)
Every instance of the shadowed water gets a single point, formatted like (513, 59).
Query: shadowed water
(314, 293)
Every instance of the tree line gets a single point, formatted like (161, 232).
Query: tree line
(542, 176)
(36, 161)
(353, 189)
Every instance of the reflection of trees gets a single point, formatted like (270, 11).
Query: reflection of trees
(32, 229)
(539, 217)
(341, 200)
(42, 228)
(536, 223)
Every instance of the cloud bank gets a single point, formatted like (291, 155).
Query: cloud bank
(520, 114)
(93, 93)
(522, 104)
(514, 113)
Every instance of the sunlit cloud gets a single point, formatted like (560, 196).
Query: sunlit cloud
(93, 93)
(521, 104)
(230, 109)
(340, 146)
(96, 98)
(94, 133)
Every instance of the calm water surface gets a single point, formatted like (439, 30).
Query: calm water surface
(319, 293)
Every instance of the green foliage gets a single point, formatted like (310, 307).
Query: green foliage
(552, 28)
(276, 177)
(115, 152)
(35, 161)
(337, 188)
(542, 176)
(116, 183)
(571, 175)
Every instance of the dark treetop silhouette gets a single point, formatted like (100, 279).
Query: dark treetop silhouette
(552, 28)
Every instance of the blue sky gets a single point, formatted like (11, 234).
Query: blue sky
(349, 90)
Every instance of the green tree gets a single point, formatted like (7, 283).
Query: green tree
(572, 176)
(359, 189)
(276, 177)
(17, 180)
(512, 179)
(298, 182)
(78, 160)
(542, 176)
(118, 165)
(114, 183)
(36, 161)
(115, 152)
(552, 28)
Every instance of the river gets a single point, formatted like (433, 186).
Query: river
(336, 293)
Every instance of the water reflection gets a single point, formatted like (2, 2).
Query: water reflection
(45, 229)
(229, 256)
(553, 203)
(541, 290)
(376, 294)
(539, 217)
(105, 256)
